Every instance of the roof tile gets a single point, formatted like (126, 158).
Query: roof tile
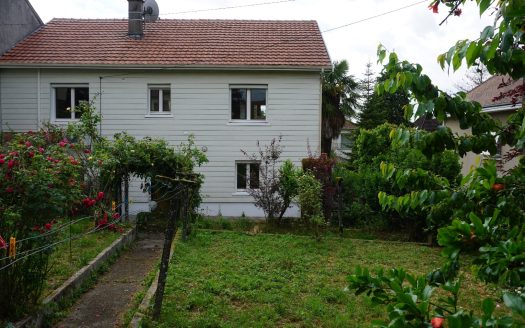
(173, 43)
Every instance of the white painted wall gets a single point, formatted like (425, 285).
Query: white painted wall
(200, 106)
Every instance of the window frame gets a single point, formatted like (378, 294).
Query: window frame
(240, 191)
(73, 86)
(161, 113)
(248, 88)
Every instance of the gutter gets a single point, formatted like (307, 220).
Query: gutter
(172, 67)
(501, 108)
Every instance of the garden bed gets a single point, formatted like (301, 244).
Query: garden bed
(236, 279)
(64, 264)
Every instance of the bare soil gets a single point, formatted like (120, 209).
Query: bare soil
(105, 304)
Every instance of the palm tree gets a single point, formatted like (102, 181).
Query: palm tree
(339, 102)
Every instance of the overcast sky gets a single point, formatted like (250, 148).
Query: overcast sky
(414, 33)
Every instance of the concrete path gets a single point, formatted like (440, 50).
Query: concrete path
(105, 304)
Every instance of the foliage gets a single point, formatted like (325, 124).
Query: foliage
(382, 108)
(43, 180)
(364, 177)
(487, 209)
(339, 100)
(310, 200)
(321, 167)
(288, 184)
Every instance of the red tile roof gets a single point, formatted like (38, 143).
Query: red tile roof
(236, 43)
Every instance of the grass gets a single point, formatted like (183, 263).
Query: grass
(63, 264)
(234, 279)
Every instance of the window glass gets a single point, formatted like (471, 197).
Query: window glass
(166, 100)
(258, 104)
(241, 175)
(239, 98)
(254, 176)
(154, 100)
(81, 95)
(63, 103)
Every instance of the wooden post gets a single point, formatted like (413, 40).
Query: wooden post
(175, 210)
(126, 197)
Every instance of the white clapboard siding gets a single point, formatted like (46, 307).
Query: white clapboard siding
(200, 106)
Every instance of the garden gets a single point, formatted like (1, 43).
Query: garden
(391, 236)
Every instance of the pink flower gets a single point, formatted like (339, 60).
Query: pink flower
(10, 164)
(31, 154)
(62, 143)
(41, 150)
(2, 156)
(48, 226)
(437, 322)
(100, 195)
(28, 144)
(2, 161)
(3, 244)
(9, 189)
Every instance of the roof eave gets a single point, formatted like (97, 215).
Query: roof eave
(170, 67)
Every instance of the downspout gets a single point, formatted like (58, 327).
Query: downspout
(100, 103)
(320, 109)
(38, 118)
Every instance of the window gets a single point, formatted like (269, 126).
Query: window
(159, 99)
(248, 103)
(247, 175)
(67, 100)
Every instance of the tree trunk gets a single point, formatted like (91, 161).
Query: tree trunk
(326, 146)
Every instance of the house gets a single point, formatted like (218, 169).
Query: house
(18, 20)
(499, 109)
(230, 83)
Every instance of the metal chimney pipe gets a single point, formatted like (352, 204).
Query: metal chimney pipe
(135, 22)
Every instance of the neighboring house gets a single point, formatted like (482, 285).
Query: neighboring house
(499, 109)
(230, 83)
(426, 123)
(343, 144)
(18, 19)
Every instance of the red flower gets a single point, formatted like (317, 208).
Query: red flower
(87, 151)
(13, 153)
(10, 164)
(100, 195)
(437, 322)
(2, 156)
(48, 226)
(62, 143)
(3, 244)
(434, 7)
(28, 144)
(9, 189)
(2, 161)
(457, 12)
(31, 154)
(41, 150)
(116, 216)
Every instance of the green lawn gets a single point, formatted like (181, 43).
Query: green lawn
(233, 279)
(83, 250)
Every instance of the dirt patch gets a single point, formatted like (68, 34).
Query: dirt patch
(107, 301)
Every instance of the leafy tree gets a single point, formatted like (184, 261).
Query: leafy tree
(339, 102)
(488, 210)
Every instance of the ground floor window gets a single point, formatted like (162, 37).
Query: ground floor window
(66, 101)
(247, 175)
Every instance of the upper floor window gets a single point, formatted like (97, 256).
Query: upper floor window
(66, 101)
(159, 99)
(248, 103)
